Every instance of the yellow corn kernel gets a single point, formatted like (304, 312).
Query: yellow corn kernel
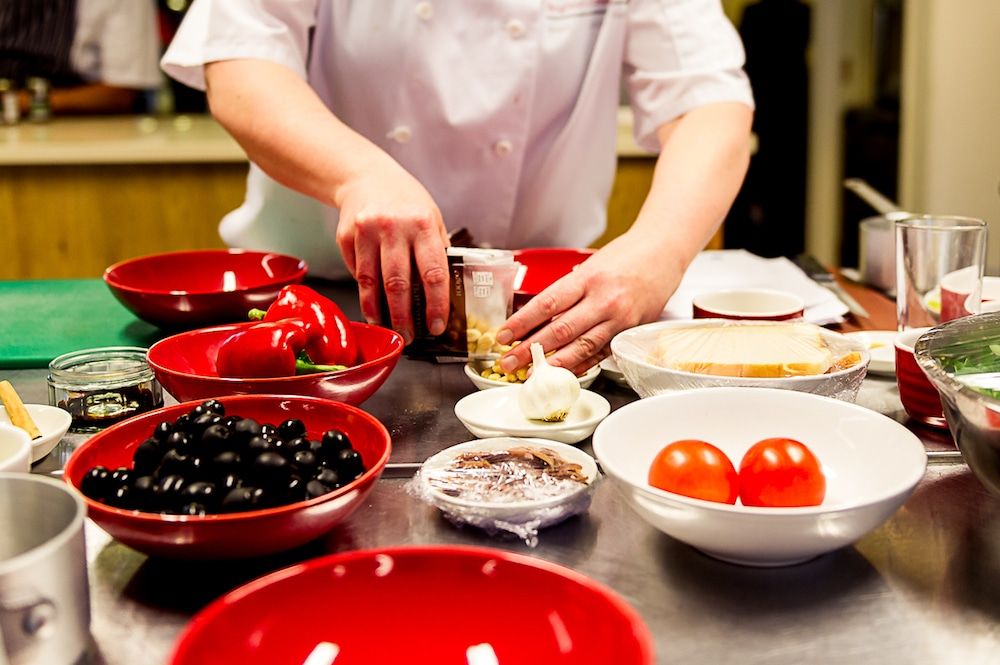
(522, 374)
(495, 377)
(472, 335)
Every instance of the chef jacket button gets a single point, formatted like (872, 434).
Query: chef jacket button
(400, 134)
(424, 11)
(503, 147)
(515, 28)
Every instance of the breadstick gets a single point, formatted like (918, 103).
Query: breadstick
(19, 416)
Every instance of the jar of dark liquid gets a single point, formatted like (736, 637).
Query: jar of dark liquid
(100, 387)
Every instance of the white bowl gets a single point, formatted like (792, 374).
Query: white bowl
(15, 449)
(634, 347)
(536, 513)
(51, 421)
(871, 464)
(481, 382)
(492, 413)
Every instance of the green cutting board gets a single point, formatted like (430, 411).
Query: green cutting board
(42, 319)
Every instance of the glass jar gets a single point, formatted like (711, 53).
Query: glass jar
(100, 387)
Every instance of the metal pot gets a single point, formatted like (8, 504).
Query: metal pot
(877, 237)
(44, 597)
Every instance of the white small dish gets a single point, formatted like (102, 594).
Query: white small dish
(880, 344)
(481, 382)
(51, 421)
(496, 413)
(15, 449)
(611, 370)
(538, 513)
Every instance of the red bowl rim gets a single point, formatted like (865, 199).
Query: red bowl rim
(294, 277)
(212, 611)
(586, 252)
(224, 380)
(374, 470)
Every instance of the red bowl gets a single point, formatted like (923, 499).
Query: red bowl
(198, 287)
(920, 398)
(234, 535)
(184, 364)
(437, 605)
(541, 267)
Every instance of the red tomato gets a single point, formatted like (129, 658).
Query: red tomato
(781, 473)
(697, 469)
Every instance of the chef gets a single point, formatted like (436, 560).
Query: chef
(372, 127)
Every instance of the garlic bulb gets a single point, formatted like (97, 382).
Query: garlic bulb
(550, 392)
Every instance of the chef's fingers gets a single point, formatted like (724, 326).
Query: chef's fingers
(345, 241)
(591, 361)
(586, 350)
(368, 271)
(575, 336)
(432, 270)
(540, 310)
(396, 275)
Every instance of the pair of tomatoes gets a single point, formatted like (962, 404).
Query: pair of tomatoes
(775, 472)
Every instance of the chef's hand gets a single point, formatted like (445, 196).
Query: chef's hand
(624, 284)
(388, 219)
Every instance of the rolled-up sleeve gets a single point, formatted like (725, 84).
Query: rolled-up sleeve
(213, 30)
(680, 54)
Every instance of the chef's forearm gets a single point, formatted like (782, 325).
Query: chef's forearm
(286, 130)
(703, 160)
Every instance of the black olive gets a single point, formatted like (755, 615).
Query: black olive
(147, 456)
(230, 421)
(315, 488)
(216, 437)
(258, 445)
(193, 509)
(330, 478)
(163, 430)
(246, 429)
(349, 464)
(225, 463)
(268, 428)
(316, 448)
(144, 493)
(200, 492)
(174, 463)
(270, 470)
(178, 441)
(306, 462)
(292, 428)
(296, 445)
(334, 441)
(122, 476)
(182, 423)
(237, 500)
(96, 483)
(203, 422)
(229, 481)
(215, 406)
(169, 491)
(198, 411)
(296, 490)
(121, 497)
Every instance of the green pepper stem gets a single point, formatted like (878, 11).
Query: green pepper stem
(256, 314)
(303, 367)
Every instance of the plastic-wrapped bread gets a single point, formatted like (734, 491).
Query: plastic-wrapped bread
(745, 350)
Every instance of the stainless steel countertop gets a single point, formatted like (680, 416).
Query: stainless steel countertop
(922, 588)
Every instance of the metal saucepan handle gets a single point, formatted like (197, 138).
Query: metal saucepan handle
(872, 196)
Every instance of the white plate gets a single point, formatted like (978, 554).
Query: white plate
(544, 512)
(483, 383)
(611, 370)
(880, 345)
(51, 421)
(492, 413)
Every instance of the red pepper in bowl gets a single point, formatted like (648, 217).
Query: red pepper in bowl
(332, 343)
(265, 349)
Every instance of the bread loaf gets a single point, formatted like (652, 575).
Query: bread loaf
(745, 350)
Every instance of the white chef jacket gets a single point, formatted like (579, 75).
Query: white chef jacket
(117, 42)
(504, 110)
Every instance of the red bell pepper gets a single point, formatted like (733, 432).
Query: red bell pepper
(263, 350)
(333, 341)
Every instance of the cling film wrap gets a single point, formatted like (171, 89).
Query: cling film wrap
(682, 355)
(501, 498)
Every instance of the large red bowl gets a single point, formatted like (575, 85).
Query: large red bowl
(441, 605)
(541, 267)
(235, 535)
(193, 288)
(184, 364)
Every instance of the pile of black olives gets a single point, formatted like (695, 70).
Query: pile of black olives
(207, 462)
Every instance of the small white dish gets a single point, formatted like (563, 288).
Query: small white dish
(496, 413)
(611, 370)
(880, 344)
(481, 382)
(493, 515)
(15, 449)
(51, 421)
